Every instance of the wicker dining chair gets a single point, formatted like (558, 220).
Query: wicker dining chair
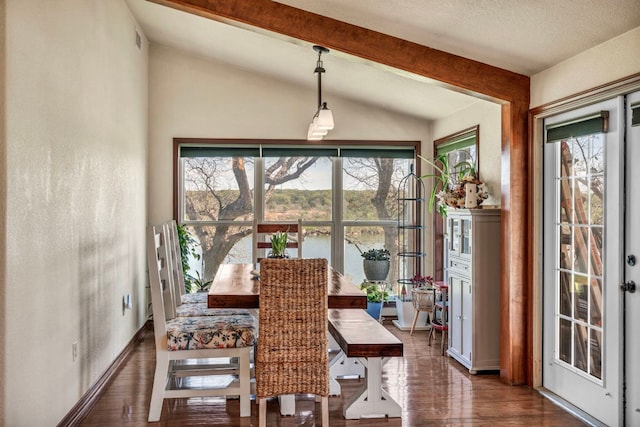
(291, 355)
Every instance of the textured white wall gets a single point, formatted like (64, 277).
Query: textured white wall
(194, 97)
(76, 148)
(610, 61)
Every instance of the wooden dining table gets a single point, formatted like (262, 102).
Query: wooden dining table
(356, 334)
(237, 286)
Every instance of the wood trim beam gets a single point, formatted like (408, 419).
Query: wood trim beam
(450, 71)
(514, 344)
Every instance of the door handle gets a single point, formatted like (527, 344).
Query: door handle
(629, 286)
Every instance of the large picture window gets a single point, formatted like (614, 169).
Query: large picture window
(345, 195)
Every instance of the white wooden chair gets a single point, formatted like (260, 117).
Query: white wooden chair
(188, 304)
(262, 232)
(181, 341)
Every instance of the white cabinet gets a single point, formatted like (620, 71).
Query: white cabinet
(473, 271)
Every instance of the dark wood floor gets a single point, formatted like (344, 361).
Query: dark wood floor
(434, 390)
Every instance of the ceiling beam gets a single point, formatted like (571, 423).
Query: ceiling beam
(451, 71)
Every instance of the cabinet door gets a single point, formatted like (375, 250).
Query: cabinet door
(460, 320)
(455, 313)
(459, 236)
(465, 237)
(467, 318)
(454, 235)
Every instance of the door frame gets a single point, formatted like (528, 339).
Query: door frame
(536, 138)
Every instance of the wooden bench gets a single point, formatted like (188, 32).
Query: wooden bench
(362, 337)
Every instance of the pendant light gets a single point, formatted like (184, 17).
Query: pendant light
(322, 121)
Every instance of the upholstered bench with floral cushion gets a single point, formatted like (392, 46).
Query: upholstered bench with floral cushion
(194, 333)
(194, 298)
(191, 310)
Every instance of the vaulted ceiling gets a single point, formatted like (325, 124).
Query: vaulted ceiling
(521, 37)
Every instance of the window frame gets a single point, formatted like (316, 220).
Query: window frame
(337, 224)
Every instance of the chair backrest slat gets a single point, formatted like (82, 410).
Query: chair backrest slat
(263, 230)
(162, 300)
(175, 260)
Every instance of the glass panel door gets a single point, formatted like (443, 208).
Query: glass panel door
(455, 235)
(582, 249)
(465, 234)
(632, 266)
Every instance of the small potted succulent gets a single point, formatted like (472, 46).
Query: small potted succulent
(279, 245)
(376, 296)
(376, 264)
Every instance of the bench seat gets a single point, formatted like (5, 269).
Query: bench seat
(362, 337)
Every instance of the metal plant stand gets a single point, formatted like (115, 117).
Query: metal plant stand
(411, 206)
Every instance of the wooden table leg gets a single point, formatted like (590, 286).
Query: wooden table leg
(371, 401)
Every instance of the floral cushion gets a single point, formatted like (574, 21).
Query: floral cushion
(192, 333)
(186, 310)
(194, 298)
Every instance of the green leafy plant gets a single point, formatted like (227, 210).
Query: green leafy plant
(376, 254)
(374, 292)
(279, 244)
(187, 249)
(199, 284)
(444, 178)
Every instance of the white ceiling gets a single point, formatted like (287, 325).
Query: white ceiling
(523, 36)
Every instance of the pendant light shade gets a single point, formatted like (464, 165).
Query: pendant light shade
(315, 133)
(322, 121)
(325, 118)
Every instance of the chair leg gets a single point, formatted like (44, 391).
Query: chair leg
(262, 412)
(415, 319)
(431, 335)
(325, 411)
(159, 384)
(442, 344)
(245, 382)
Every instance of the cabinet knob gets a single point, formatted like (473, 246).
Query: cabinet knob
(458, 317)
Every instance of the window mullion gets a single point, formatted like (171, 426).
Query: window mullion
(258, 190)
(338, 228)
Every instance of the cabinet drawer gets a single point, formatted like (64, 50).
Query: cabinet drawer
(459, 265)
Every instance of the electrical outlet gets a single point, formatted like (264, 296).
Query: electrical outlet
(74, 351)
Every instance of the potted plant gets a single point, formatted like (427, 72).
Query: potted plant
(279, 245)
(199, 284)
(376, 296)
(376, 264)
(456, 187)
